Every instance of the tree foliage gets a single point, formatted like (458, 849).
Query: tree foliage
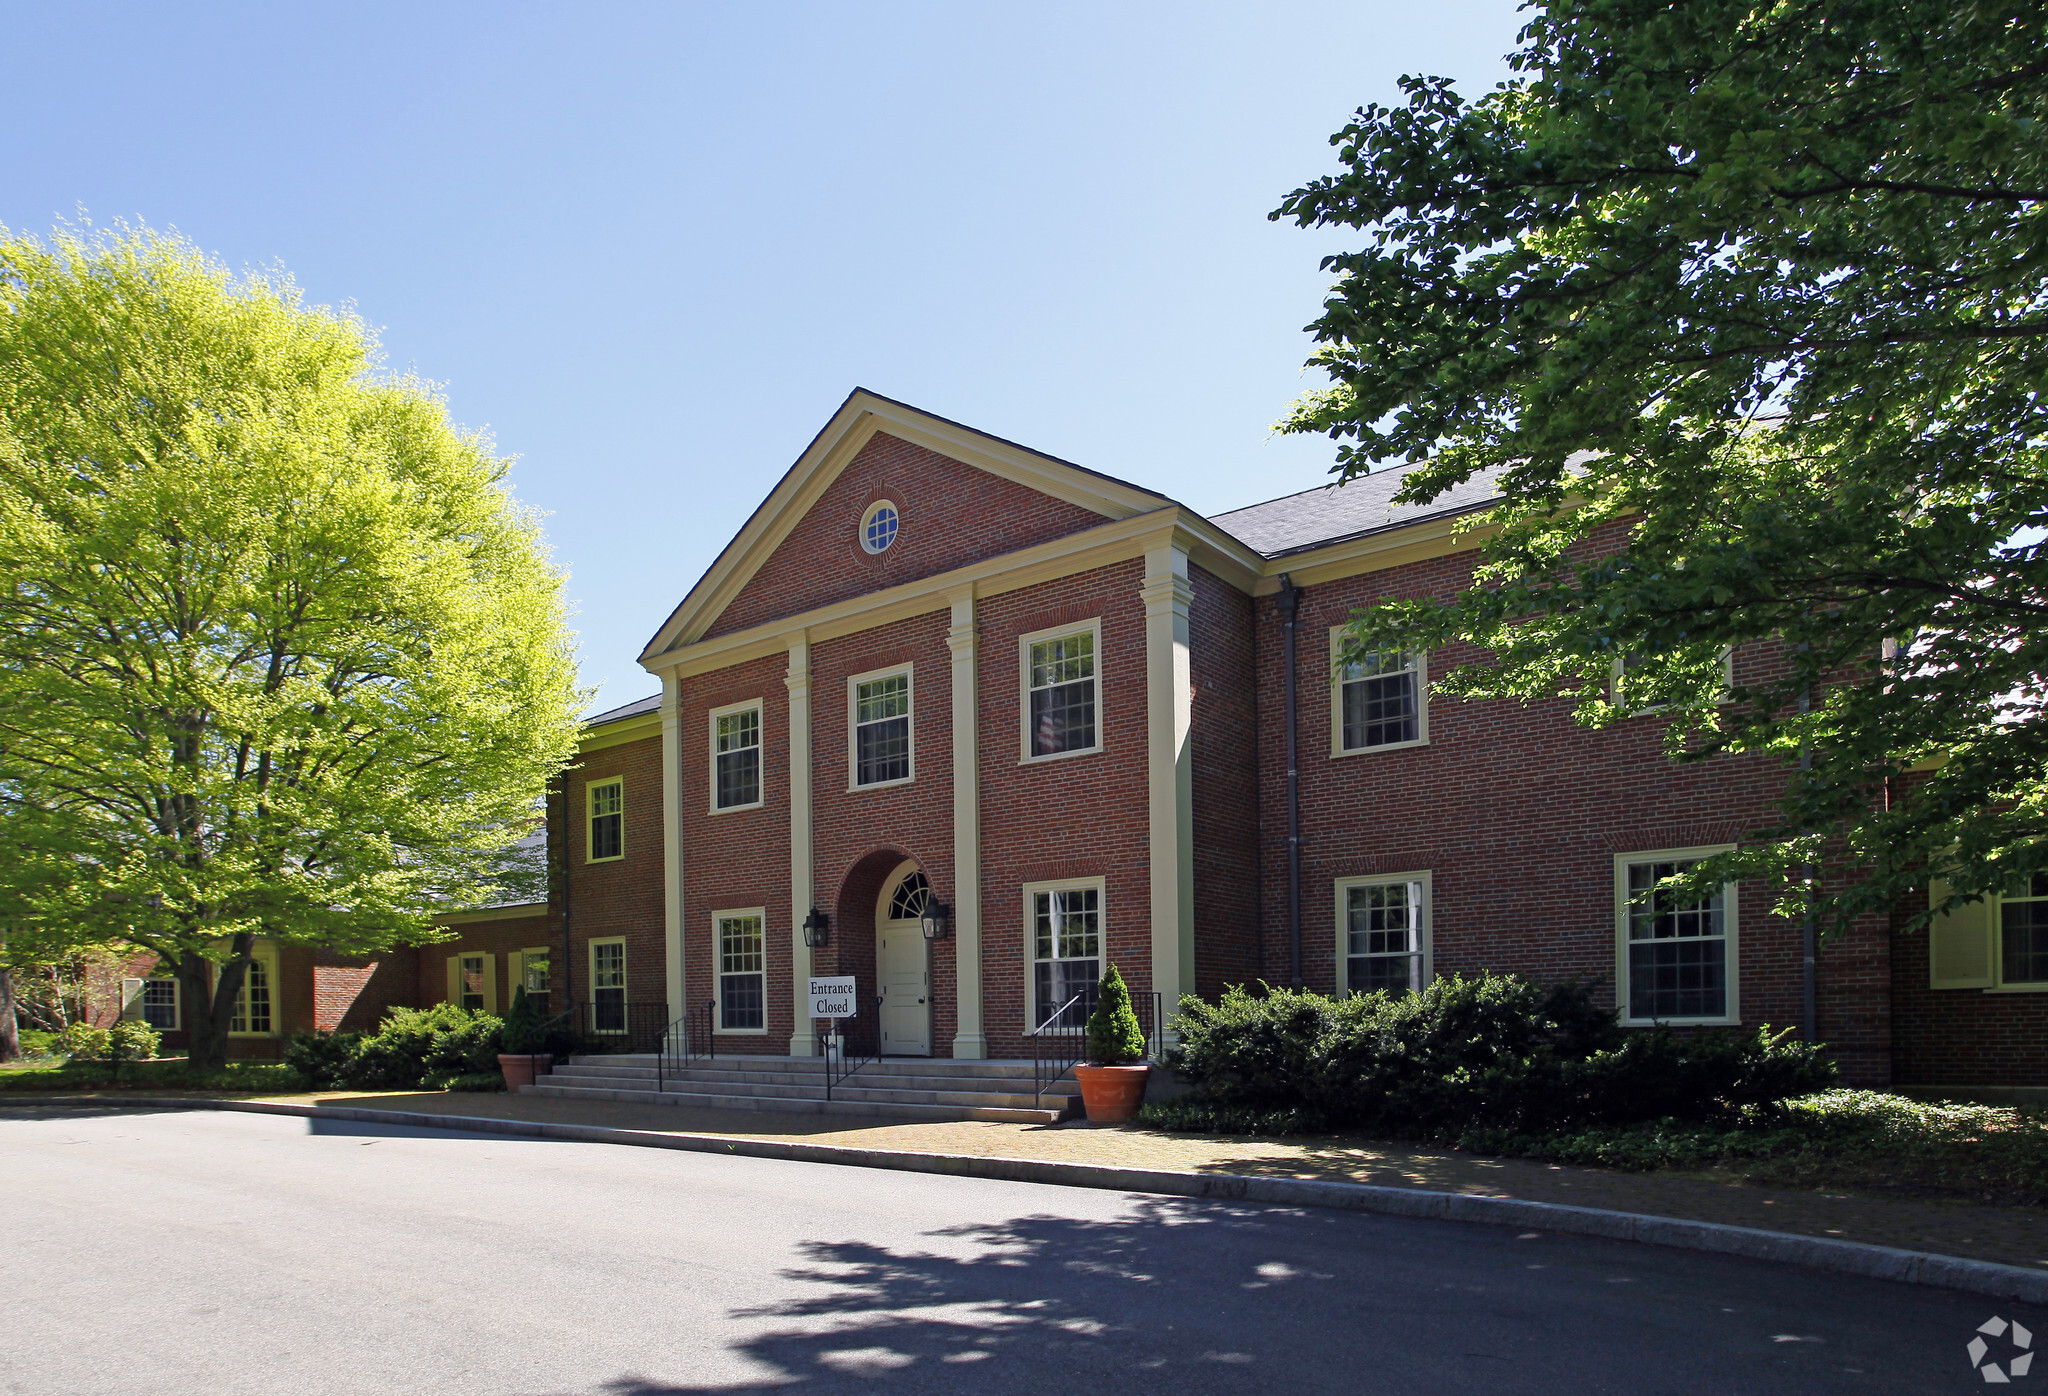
(278, 654)
(1760, 294)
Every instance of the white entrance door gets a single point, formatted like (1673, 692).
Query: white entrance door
(902, 965)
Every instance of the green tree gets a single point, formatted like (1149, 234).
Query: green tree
(279, 656)
(1745, 309)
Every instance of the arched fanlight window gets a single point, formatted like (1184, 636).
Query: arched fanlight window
(911, 895)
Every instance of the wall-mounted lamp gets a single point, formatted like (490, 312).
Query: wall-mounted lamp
(933, 921)
(817, 929)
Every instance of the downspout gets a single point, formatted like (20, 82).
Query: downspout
(1290, 606)
(1809, 1009)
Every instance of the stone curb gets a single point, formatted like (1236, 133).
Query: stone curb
(1843, 1257)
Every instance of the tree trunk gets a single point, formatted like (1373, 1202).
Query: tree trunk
(210, 1006)
(10, 1034)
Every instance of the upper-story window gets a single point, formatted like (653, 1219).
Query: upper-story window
(1061, 691)
(879, 525)
(880, 706)
(736, 756)
(1380, 701)
(607, 820)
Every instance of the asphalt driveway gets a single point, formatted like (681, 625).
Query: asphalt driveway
(191, 1252)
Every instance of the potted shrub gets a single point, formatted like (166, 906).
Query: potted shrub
(1113, 1078)
(522, 1058)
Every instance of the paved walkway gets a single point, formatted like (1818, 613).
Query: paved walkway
(2010, 1235)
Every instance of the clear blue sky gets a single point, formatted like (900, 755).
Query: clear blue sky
(651, 247)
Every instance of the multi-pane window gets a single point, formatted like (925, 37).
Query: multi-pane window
(2023, 933)
(1677, 946)
(736, 757)
(252, 1005)
(1061, 683)
(1380, 700)
(607, 820)
(742, 995)
(608, 986)
(160, 1004)
(1383, 937)
(469, 979)
(881, 730)
(535, 976)
(1066, 952)
(910, 898)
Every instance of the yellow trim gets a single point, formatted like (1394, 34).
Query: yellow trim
(631, 729)
(1729, 926)
(1337, 747)
(487, 976)
(1167, 594)
(1425, 927)
(517, 911)
(265, 951)
(853, 683)
(590, 817)
(625, 984)
(856, 422)
(1024, 643)
(802, 878)
(963, 641)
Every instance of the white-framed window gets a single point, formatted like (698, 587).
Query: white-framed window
(1624, 664)
(2023, 933)
(736, 756)
(1380, 700)
(254, 1014)
(1383, 933)
(607, 821)
(1062, 699)
(160, 1004)
(608, 985)
(879, 723)
(742, 970)
(1063, 930)
(535, 971)
(880, 525)
(1676, 952)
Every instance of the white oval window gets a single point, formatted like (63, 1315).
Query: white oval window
(878, 526)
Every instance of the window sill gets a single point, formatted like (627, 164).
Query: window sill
(736, 809)
(739, 1032)
(2017, 989)
(1340, 752)
(1095, 750)
(1723, 1022)
(881, 785)
(618, 859)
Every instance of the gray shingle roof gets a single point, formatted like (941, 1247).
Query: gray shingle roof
(633, 709)
(1335, 513)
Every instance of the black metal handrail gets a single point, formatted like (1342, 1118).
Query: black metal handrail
(848, 1044)
(610, 1026)
(1061, 1041)
(687, 1038)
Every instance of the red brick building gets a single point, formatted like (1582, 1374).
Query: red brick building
(937, 672)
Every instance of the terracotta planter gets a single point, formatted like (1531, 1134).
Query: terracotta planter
(521, 1068)
(1112, 1094)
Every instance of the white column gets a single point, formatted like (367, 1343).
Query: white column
(1169, 710)
(969, 1040)
(798, 680)
(672, 838)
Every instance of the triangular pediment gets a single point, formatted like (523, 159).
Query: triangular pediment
(963, 495)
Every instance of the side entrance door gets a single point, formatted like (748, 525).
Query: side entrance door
(903, 966)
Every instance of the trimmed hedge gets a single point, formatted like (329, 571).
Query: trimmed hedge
(413, 1048)
(1490, 1052)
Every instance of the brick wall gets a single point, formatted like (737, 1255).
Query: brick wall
(952, 515)
(1517, 812)
(352, 993)
(499, 939)
(1960, 1037)
(1226, 785)
(622, 898)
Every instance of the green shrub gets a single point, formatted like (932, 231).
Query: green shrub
(414, 1046)
(523, 1030)
(36, 1043)
(477, 1081)
(132, 1039)
(1114, 1037)
(325, 1059)
(1491, 1052)
(85, 1040)
(237, 1078)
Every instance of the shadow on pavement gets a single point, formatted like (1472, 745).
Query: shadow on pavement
(1197, 1297)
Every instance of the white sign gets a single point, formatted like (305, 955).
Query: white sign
(833, 998)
